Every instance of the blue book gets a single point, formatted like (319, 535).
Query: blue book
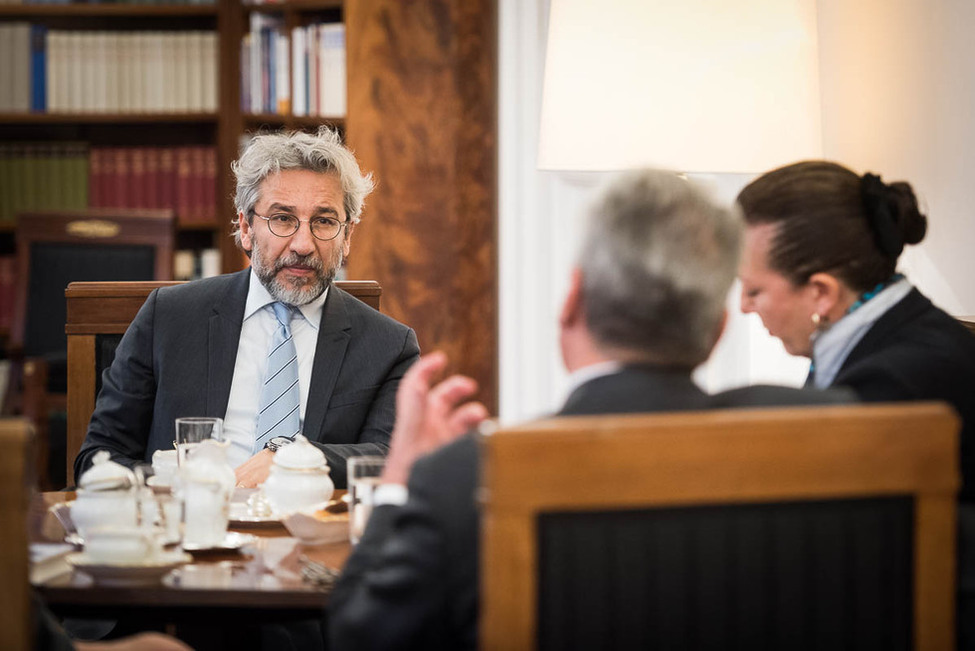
(38, 68)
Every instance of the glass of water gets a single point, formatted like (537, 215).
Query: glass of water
(190, 432)
(364, 477)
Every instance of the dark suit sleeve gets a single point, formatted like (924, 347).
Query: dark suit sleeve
(393, 584)
(48, 634)
(123, 411)
(378, 424)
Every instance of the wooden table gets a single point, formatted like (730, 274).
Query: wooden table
(214, 588)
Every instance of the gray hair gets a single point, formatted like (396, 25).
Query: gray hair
(658, 261)
(270, 153)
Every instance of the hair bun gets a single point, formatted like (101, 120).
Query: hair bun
(892, 213)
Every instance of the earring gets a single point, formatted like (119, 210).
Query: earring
(816, 319)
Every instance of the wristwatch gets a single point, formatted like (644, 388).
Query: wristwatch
(278, 442)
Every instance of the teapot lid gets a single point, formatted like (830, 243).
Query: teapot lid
(300, 455)
(106, 474)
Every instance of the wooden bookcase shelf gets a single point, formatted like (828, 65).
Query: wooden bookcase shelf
(111, 10)
(102, 118)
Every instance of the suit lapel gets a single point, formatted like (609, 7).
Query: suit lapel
(223, 339)
(334, 332)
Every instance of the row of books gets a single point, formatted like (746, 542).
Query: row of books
(181, 178)
(42, 176)
(72, 176)
(59, 71)
(106, 2)
(301, 73)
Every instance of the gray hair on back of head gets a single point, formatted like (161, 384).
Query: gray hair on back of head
(657, 264)
(322, 152)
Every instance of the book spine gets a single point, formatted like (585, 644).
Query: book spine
(20, 67)
(38, 68)
(167, 178)
(184, 165)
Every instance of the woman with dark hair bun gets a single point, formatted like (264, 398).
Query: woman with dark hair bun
(820, 269)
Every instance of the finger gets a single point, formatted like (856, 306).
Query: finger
(466, 417)
(448, 394)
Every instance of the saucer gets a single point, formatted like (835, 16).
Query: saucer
(239, 517)
(159, 485)
(233, 541)
(141, 572)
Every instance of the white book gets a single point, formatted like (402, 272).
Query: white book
(140, 91)
(210, 71)
(333, 49)
(282, 77)
(6, 66)
(299, 66)
(125, 62)
(20, 68)
(156, 80)
(99, 73)
(113, 103)
(210, 263)
(314, 65)
(194, 71)
(181, 71)
(323, 69)
(256, 81)
(53, 71)
(170, 68)
(75, 71)
(88, 47)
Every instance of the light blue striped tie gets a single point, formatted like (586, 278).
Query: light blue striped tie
(278, 414)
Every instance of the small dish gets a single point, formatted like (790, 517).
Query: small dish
(233, 541)
(241, 517)
(317, 526)
(142, 572)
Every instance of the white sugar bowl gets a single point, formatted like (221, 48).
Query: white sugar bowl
(299, 478)
(105, 496)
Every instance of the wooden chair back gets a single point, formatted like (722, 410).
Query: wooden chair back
(97, 317)
(55, 248)
(778, 528)
(16, 481)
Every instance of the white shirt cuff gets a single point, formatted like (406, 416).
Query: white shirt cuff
(390, 494)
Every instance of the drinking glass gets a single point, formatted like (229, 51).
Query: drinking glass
(190, 432)
(364, 478)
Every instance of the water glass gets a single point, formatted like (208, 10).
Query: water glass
(190, 432)
(365, 475)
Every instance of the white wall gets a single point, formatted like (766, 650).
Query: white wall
(898, 84)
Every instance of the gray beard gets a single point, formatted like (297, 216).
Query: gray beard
(304, 290)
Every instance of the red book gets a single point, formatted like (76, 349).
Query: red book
(210, 185)
(184, 191)
(152, 177)
(96, 170)
(197, 183)
(8, 290)
(138, 182)
(122, 178)
(110, 191)
(167, 178)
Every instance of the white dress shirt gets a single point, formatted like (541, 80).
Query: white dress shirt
(240, 422)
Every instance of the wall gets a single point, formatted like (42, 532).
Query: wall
(898, 85)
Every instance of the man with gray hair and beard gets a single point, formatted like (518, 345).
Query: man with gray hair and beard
(646, 304)
(275, 350)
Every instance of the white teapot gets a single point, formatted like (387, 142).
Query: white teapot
(299, 478)
(106, 495)
(205, 483)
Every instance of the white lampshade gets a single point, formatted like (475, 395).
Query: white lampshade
(690, 85)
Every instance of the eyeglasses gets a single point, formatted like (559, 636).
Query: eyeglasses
(285, 225)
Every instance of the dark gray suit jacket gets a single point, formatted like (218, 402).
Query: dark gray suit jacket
(412, 582)
(177, 359)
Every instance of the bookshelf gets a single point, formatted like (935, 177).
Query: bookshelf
(422, 116)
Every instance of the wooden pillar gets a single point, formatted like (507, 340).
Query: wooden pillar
(422, 117)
